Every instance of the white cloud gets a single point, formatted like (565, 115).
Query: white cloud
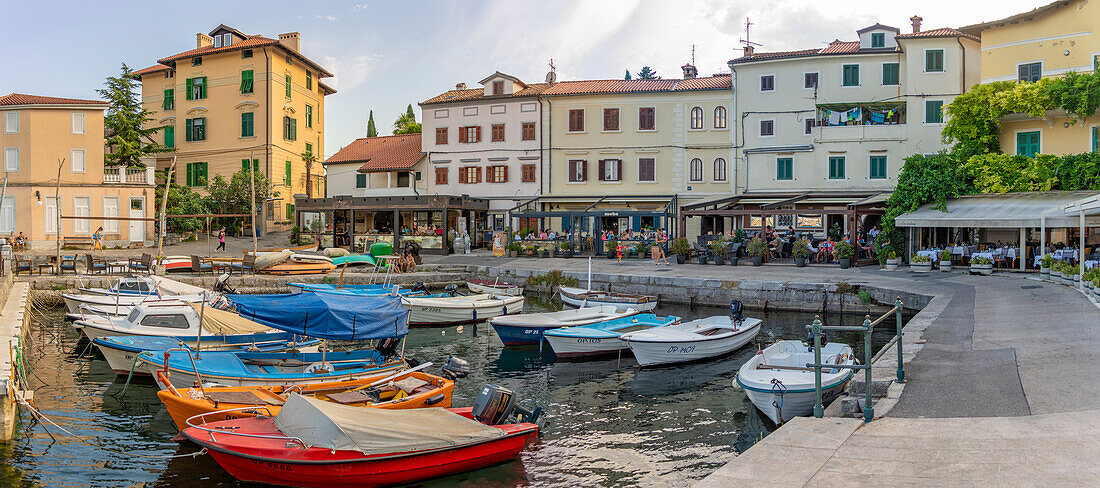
(358, 6)
(352, 71)
(330, 18)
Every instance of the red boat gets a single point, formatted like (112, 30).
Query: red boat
(320, 444)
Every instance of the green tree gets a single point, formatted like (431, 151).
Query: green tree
(371, 130)
(406, 123)
(309, 158)
(627, 75)
(129, 136)
(232, 197)
(182, 201)
(410, 114)
(647, 73)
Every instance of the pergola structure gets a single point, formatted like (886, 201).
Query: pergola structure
(586, 212)
(807, 211)
(1087, 209)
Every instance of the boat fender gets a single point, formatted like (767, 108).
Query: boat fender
(435, 399)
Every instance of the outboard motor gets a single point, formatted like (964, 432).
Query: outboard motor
(419, 287)
(495, 405)
(387, 347)
(451, 290)
(737, 312)
(222, 285)
(454, 368)
(810, 340)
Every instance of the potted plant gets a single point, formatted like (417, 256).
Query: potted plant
(681, 248)
(801, 252)
(1055, 271)
(844, 252)
(981, 265)
(641, 250)
(920, 264)
(757, 248)
(945, 260)
(566, 249)
(610, 246)
(720, 248)
(892, 261)
(513, 249)
(1044, 271)
(1096, 287)
(529, 251)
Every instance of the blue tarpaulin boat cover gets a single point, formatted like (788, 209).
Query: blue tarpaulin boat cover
(326, 315)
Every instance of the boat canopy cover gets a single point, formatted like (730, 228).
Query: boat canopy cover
(376, 430)
(327, 315)
(221, 322)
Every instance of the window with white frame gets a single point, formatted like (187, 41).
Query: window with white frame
(7, 215)
(11, 122)
(78, 123)
(767, 83)
(767, 128)
(77, 160)
(11, 159)
(810, 80)
(696, 117)
(719, 169)
(110, 209)
(719, 117)
(81, 208)
(49, 215)
(695, 170)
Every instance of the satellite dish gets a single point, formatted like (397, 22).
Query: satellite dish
(551, 77)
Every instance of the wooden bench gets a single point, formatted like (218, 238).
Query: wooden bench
(76, 241)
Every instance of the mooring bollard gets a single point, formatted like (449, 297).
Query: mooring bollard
(815, 329)
(868, 408)
(901, 364)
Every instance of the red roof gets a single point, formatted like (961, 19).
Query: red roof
(941, 32)
(852, 47)
(249, 42)
(23, 99)
(152, 69)
(590, 87)
(478, 93)
(387, 153)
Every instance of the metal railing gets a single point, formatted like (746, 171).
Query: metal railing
(867, 328)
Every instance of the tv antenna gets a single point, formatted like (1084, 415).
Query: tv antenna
(551, 76)
(748, 45)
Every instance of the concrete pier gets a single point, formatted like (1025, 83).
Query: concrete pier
(13, 321)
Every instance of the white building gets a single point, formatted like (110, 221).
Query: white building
(377, 167)
(485, 143)
(828, 129)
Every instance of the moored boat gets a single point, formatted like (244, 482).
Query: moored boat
(579, 297)
(692, 341)
(121, 351)
(405, 389)
(493, 287)
(172, 318)
(460, 309)
(528, 328)
(311, 443)
(602, 338)
(267, 368)
(778, 382)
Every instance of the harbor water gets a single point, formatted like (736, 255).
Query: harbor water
(608, 423)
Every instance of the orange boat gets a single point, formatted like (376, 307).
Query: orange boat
(412, 389)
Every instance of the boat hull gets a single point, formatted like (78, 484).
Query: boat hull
(427, 314)
(493, 289)
(325, 469)
(520, 336)
(185, 378)
(658, 353)
(575, 297)
(798, 404)
(576, 347)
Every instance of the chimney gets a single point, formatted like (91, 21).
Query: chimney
(203, 40)
(689, 71)
(460, 86)
(290, 40)
(748, 50)
(916, 23)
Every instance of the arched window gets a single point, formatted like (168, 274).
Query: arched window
(695, 170)
(696, 118)
(719, 169)
(720, 117)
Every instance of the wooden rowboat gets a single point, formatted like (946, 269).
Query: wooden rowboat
(294, 268)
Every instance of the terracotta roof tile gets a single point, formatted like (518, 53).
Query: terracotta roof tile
(835, 47)
(387, 153)
(479, 93)
(250, 42)
(941, 32)
(22, 99)
(156, 68)
(591, 87)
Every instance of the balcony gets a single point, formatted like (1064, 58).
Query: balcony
(862, 133)
(131, 176)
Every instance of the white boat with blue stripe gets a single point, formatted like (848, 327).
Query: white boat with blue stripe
(782, 387)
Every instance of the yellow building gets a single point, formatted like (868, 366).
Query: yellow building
(625, 154)
(1046, 42)
(239, 97)
(38, 135)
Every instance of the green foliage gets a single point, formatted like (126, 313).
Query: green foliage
(845, 249)
(1076, 93)
(406, 123)
(182, 201)
(923, 179)
(232, 197)
(627, 75)
(864, 297)
(981, 260)
(801, 248)
(1047, 260)
(945, 255)
(647, 73)
(552, 278)
(610, 245)
(514, 246)
(720, 246)
(918, 259)
(757, 247)
(565, 246)
(681, 246)
(371, 130)
(738, 236)
(127, 124)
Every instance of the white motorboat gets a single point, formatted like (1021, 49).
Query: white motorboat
(170, 318)
(601, 338)
(74, 301)
(127, 286)
(780, 385)
(459, 309)
(691, 341)
(580, 297)
(528, 328)
(116, 310)
(493, 287)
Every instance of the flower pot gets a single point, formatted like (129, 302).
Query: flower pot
(892, 264)
(1077, 280)
(528, 253)
(800, 262)
(921, 267)
(653, 250)
(945, 266)
(845, 263)
(611, 255)
(681, 259)
(982, 269)
(733, 260)
(1044, 273)
(568, 253)
(513, 254)
(1056, 276)
(719, 260)
(703, 259)
(758, 260)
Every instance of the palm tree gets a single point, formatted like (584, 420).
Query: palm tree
(309, 158)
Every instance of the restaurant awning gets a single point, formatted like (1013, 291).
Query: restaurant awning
(1008, 210)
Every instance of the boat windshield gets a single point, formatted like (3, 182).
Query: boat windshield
(132, 318)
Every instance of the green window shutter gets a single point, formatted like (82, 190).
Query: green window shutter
(202, 174)
(288, 85)
(360, 180)
(289, 211)
(246, 81)
(188, 174)
(784, 168)
(188, 126)
(878, 39)
(851, 75)
(836, 168)
(1027, 143)
(1096, 139)
(247, 124)
(933, 60)
(933, 111)
(190, 87)
(200, 129)
(294, 129)
(309, 80)
(169, 99)
(170, 136)
(309, 116)
(309, 148)
(244, 165)
(890, 74)
(286, 174)
(878, 167)
(202, 91)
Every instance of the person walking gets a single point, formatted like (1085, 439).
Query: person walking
(97, 240)
(221, 240)
(662, 240)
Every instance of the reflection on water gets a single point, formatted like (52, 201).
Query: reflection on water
(609, 423)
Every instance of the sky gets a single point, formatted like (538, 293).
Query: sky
(386, 55)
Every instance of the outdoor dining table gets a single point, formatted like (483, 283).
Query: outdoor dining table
(931, 253)
(1059, 255)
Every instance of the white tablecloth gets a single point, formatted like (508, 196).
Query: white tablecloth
(1091, 264)
(932, 253)
(1060, 255)
(984, 254)
(962, 250)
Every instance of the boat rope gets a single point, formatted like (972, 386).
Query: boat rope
(778, 389)
(39, 415)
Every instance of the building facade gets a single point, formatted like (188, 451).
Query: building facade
(42, 137)
(1046, 42)
(822, 130)
(485, 142)
(378, 167)
(238, 99)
